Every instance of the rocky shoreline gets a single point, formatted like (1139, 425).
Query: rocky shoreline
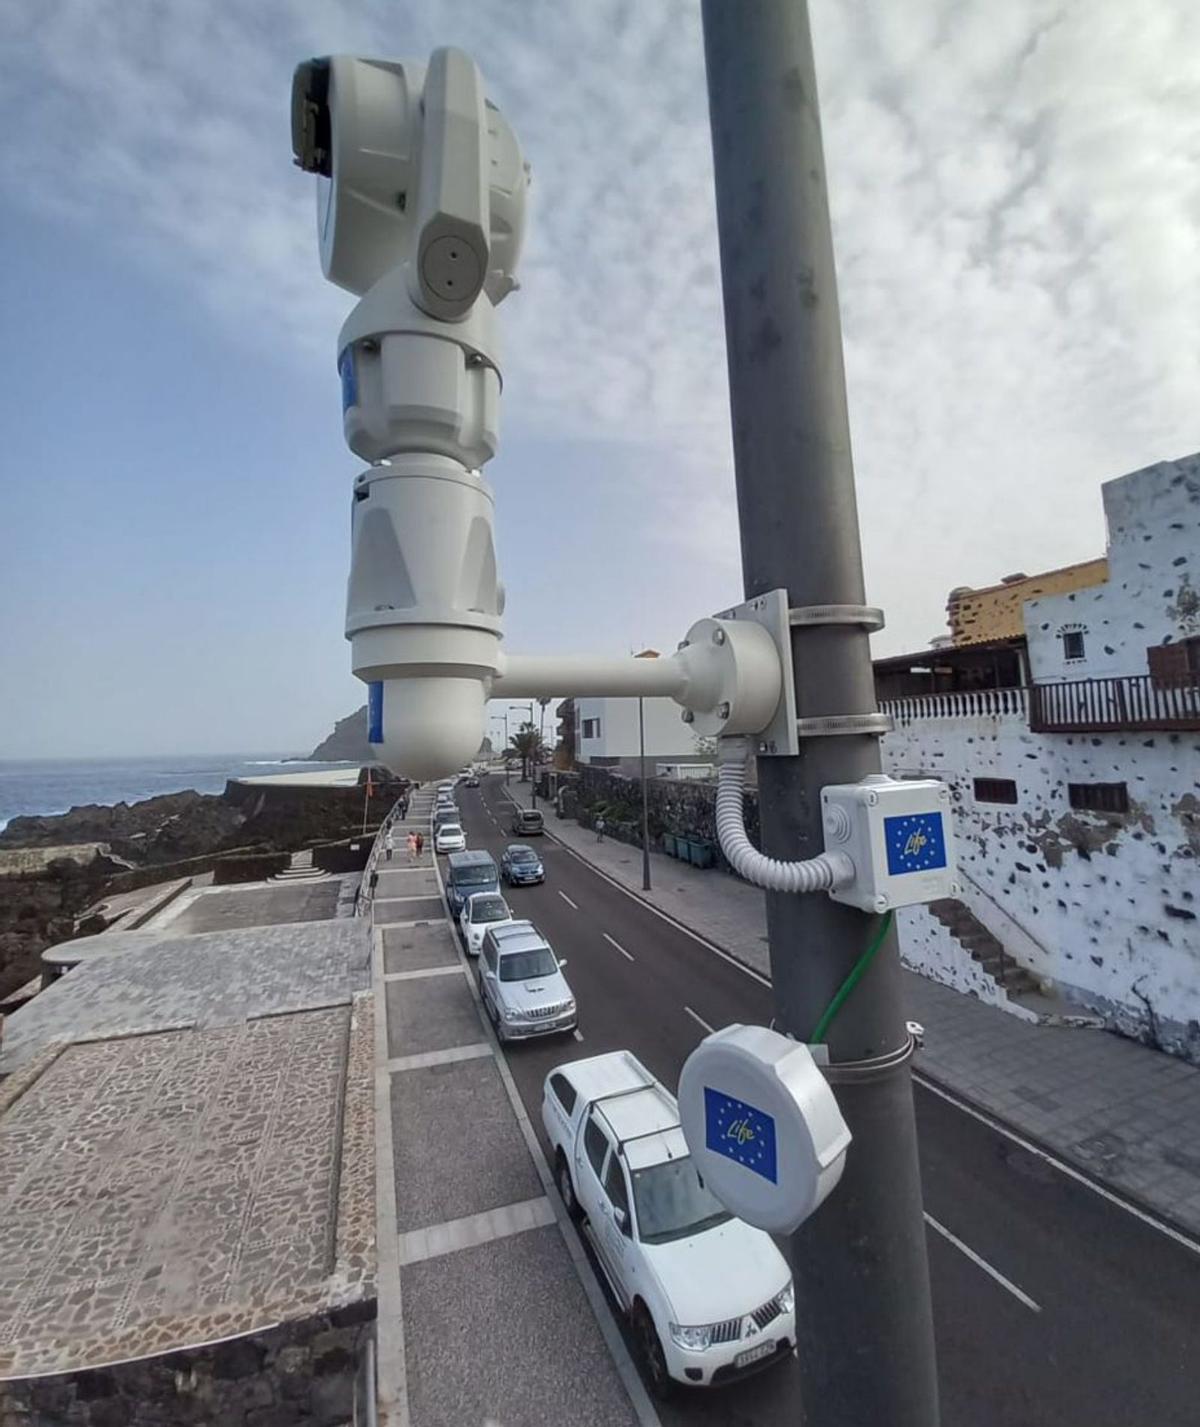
(54, 868)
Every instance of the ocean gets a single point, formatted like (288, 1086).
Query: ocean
(43, 786)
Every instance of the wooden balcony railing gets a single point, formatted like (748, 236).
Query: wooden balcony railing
(1136, 701)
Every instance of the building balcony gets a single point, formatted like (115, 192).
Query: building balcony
(1129, 703)
(963, 704)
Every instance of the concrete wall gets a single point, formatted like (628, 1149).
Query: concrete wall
(1108, 903)
(1152, 595)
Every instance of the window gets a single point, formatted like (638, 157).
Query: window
(1099, 797)
(1175, 665)
(1072, 643)
(591, 728)
(995, 790)
(528, 965)
(595, 1141)
(614, 1185)
(564, 1092)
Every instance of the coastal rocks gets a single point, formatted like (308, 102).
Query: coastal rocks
(347, 743)
(163, 829)
(39, 904)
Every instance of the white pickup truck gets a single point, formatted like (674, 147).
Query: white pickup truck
(709, 1297)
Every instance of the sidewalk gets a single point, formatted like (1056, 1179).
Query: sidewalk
(1126, 1115)
(487, 1310)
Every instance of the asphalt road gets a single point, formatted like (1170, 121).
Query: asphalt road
(1052, 1305)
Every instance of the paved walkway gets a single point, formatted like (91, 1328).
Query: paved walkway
(1124, 1114)
(487, 1309)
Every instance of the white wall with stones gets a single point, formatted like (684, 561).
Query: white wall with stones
(1110, 903)
(1152, 595)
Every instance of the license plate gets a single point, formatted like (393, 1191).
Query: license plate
(752, 1355)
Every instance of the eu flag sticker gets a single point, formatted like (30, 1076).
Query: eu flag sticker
(349, 380)
(915, 843)
(740, 1132)
(375, 712)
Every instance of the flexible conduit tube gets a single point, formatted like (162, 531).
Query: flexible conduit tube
(815, 874)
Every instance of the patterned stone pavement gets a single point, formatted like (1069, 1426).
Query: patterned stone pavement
(166, 1190)
(214, 979)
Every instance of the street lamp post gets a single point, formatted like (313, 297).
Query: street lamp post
(645, 798)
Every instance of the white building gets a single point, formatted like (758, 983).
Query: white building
(1077, 789)
(606, 735)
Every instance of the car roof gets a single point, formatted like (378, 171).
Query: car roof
(616, 1073)
(518, 936)
(519, 847)
(475, 857)
(636, 1113)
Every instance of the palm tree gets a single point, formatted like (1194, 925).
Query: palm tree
(526, 744)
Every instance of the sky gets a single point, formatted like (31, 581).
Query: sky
(1015, 193)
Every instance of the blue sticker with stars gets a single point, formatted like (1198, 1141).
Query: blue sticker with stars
(915, 843)
(740, 1132)
(375, 712)
(349, 380)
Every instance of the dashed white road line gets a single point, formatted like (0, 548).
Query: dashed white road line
(573, 905)
(982, 1263)
(1010, 1134)
(700, 1021)
(618, 946)
(577, 1033)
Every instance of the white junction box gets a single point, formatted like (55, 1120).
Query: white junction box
(899, 836)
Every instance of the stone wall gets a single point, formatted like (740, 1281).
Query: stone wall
(675, 805)
(297, 1375)
(1108, 902)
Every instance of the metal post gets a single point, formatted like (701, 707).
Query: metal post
(645, 799)
(864, 1320)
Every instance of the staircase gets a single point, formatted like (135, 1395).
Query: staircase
(300, 869)
(979, 943)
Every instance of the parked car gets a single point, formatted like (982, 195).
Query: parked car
(522, 985)
(520, 866)
(449, 838)
(527, 822)
(467, 873)
(480, 912)
(471, 780)
(709, 1297)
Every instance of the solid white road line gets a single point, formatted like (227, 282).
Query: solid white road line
(1002, 1129)
(577, 1033)
(700, 1021)
(618, 946)
(573, 906)
(983, 1264)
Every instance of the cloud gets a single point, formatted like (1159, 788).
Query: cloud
(1016, 199)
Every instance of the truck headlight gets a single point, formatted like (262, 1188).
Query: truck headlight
(787, 1299)
(694, 1340)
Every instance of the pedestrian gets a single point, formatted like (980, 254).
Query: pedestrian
(420, 843)
(389, 843)
(600, 825)
(412, 847)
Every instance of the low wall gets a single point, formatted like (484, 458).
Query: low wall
(297, 1375)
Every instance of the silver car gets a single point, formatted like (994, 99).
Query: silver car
(522, 985)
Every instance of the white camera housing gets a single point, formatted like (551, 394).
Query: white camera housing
(762, 1126)
(898, 834)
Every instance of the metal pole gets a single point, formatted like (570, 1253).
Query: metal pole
(864, 1320)
(645, 799)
